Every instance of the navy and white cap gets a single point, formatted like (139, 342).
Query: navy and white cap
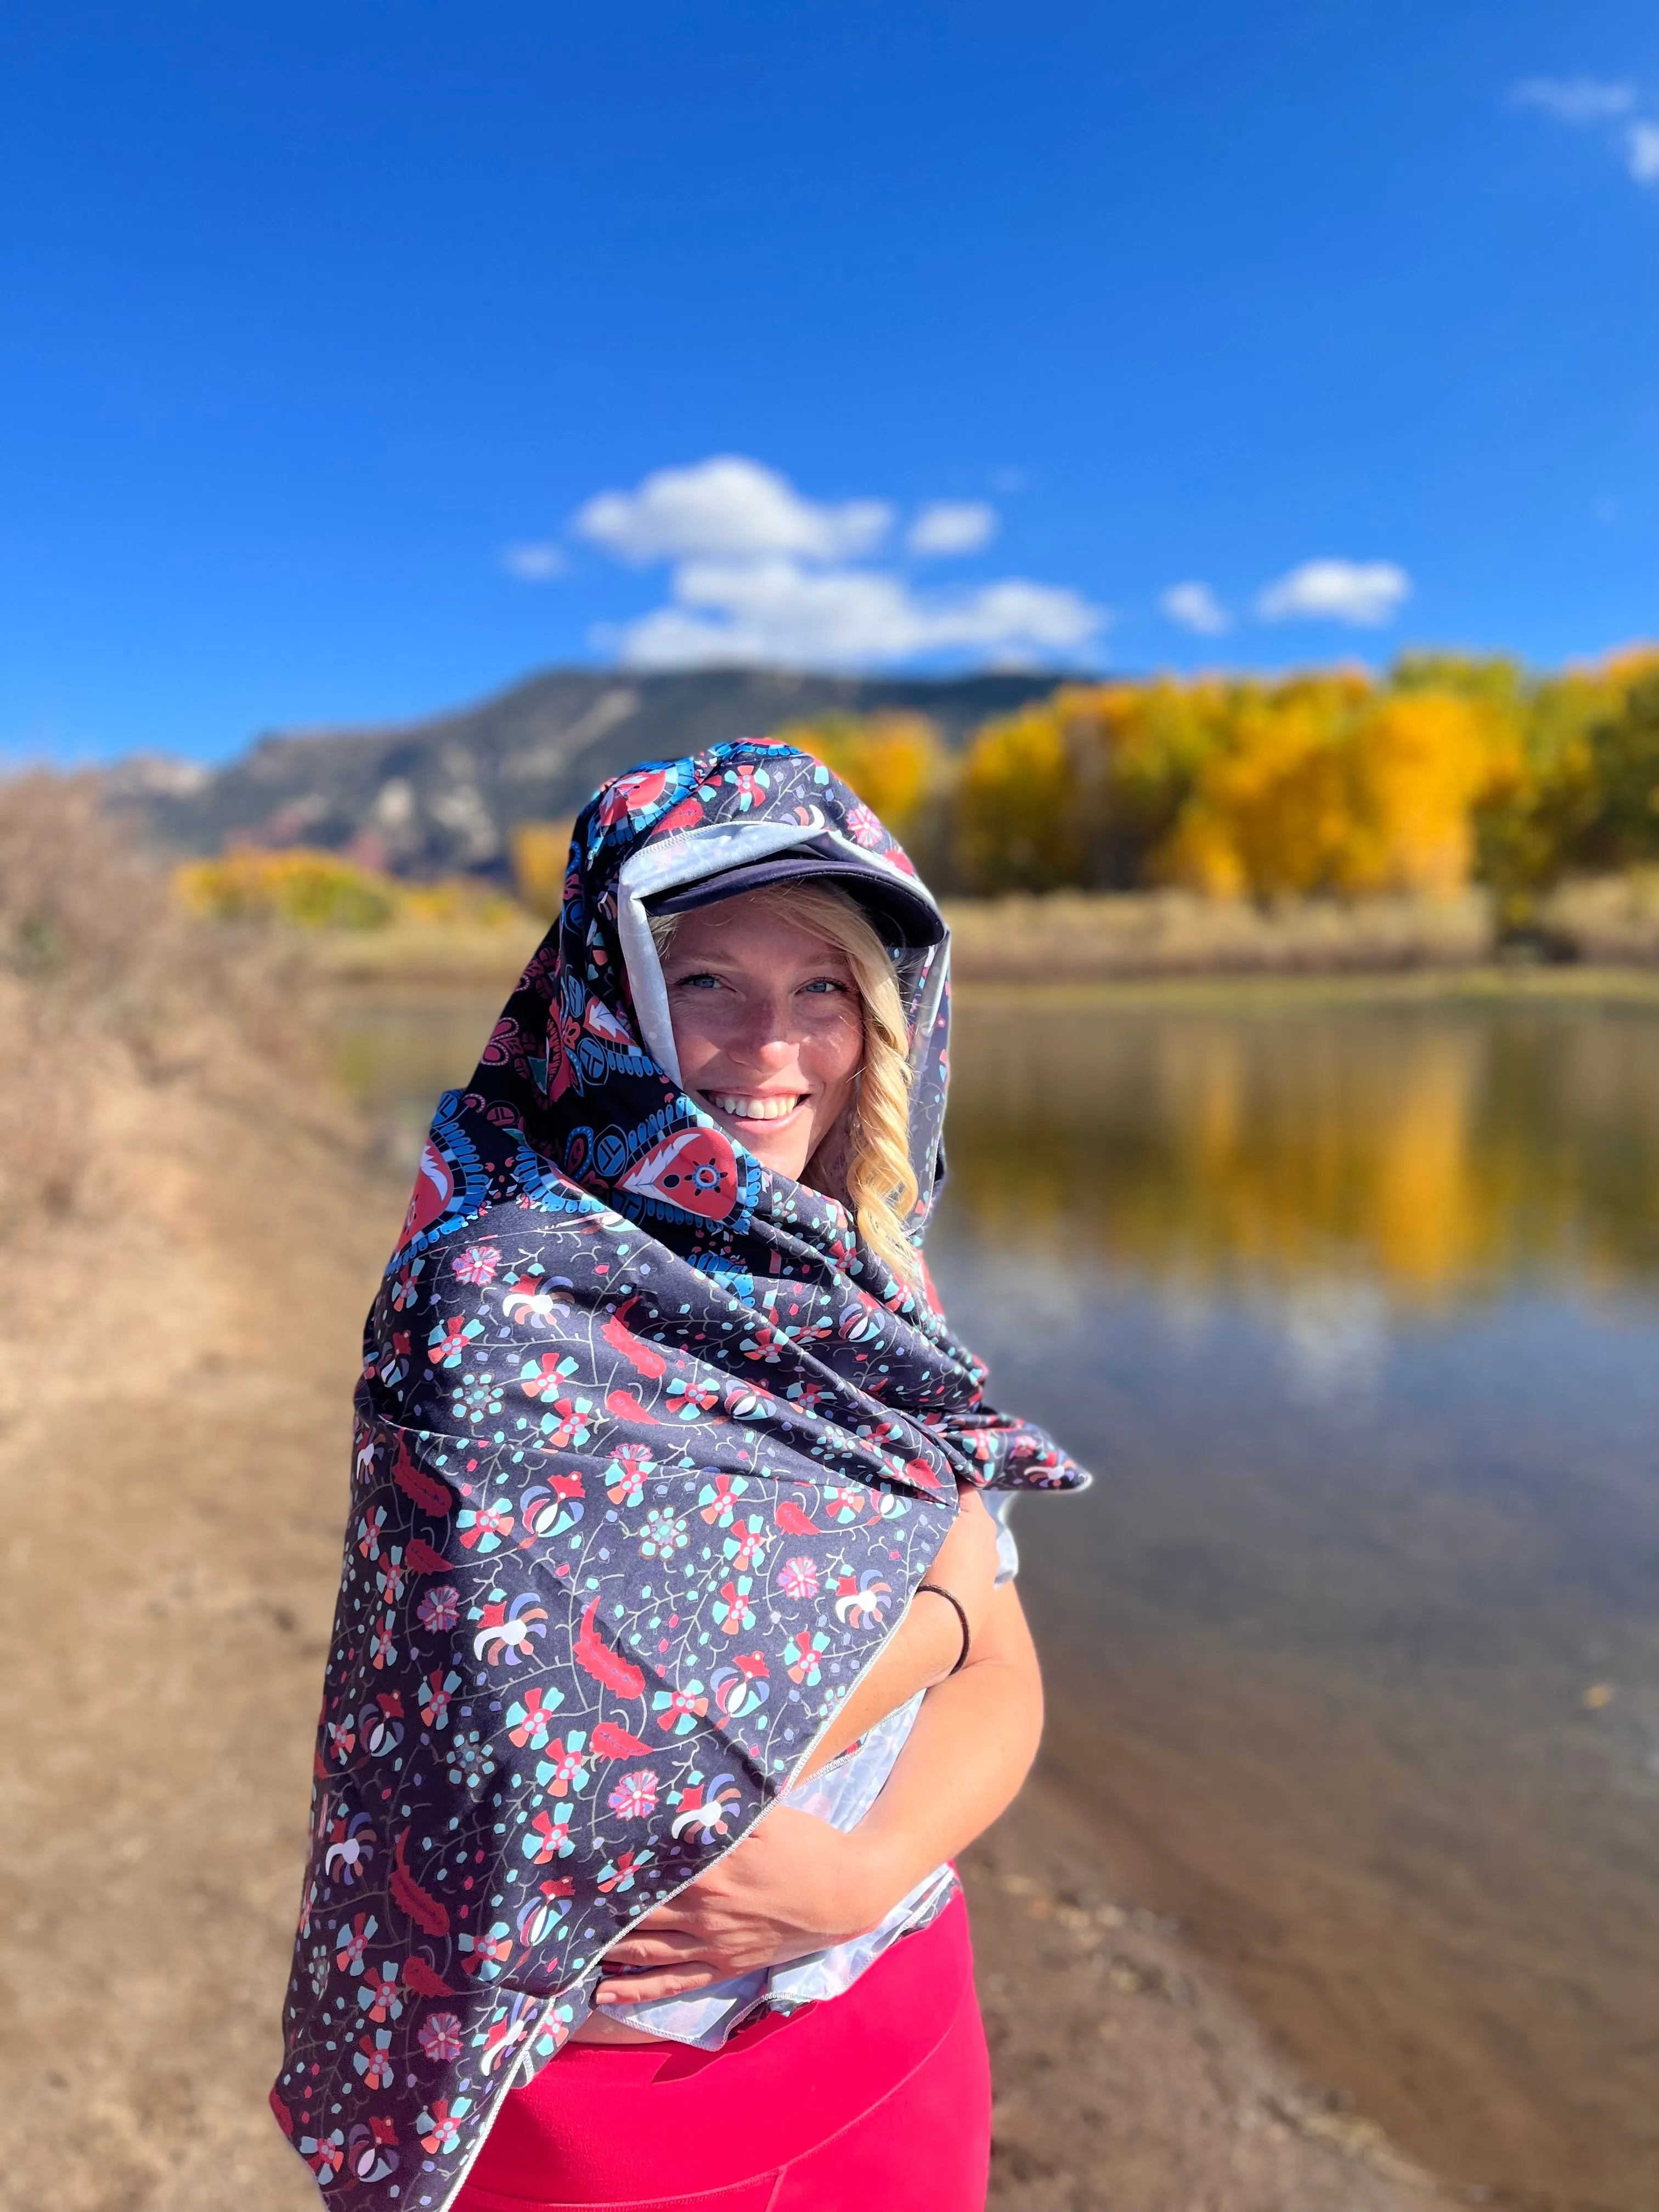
(722, 860)
(901, 910)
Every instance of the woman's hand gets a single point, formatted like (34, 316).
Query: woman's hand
(794, 1884)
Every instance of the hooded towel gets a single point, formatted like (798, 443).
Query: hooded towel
(651, 1452)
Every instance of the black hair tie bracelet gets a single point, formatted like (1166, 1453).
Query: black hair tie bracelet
(962, 1615)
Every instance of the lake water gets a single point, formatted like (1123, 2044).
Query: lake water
(1353, 1301)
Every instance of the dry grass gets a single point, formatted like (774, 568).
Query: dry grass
(1612, 919)
(111, 997)
(1077, 937)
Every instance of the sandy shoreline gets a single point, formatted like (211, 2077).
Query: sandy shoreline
(173, 1546)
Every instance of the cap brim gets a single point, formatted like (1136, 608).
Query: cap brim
(906, 919)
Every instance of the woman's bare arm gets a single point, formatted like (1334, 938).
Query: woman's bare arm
(796, 1885)
(927, 1643)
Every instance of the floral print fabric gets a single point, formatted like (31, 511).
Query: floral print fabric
(650, 1452)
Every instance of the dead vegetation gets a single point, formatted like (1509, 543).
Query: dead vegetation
(1084, 937)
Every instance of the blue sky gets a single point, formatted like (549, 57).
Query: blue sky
(361, 358)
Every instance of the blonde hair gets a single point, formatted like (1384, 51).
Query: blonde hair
(867, 1153)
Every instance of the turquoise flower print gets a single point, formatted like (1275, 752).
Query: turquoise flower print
(679, 1710)
(549, 1838)
(530, 1719)
(619, 1873)
(803, 1656)
(565, 1767)
(731, 1612)
(490, 1954)
(663, 1535)
(746, 1543)
(688, 1400)
(354, 1940)
(373, 2057)
(450, 1338)
(717, 1501)
(381, 1995)
(323, 2155)
(567, 1424)
(483, 1528)
(472, 1762)
(436, 1691)
(440, 2128)
(540, 1378)
(479, 1398)
(753, 786)
(625, 1478)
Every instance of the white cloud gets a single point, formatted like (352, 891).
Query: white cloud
(948, 525)
(1196, 607)
(1574, 99)
(534, 564)
(1642, 149)
(777, 612)
(728, 508)
(1364, 593)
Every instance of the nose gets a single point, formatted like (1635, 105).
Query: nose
(763, 1037)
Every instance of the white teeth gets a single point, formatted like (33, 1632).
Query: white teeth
(755, 1109)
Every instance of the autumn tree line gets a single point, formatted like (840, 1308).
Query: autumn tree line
(1446, 770)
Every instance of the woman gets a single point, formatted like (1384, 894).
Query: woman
(666, 1517)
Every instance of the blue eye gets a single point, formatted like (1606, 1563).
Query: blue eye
(698, 983)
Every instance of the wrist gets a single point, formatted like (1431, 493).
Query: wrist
(878, 1873)
(937, 1626)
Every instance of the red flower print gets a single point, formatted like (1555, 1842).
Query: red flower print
(799, 1577)
(477, 1264)
(635, 1797)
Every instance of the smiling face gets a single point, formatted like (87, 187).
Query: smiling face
(769, 1026)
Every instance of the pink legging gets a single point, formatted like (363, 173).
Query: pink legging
(880, 2097)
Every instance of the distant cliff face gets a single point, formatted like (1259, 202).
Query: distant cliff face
(436, 797)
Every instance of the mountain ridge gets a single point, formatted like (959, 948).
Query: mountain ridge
(443, 795)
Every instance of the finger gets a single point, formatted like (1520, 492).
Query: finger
(673, 1950)
(666, 1920)
(649, 1989)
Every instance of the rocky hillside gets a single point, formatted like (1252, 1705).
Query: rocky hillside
(443, 795)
